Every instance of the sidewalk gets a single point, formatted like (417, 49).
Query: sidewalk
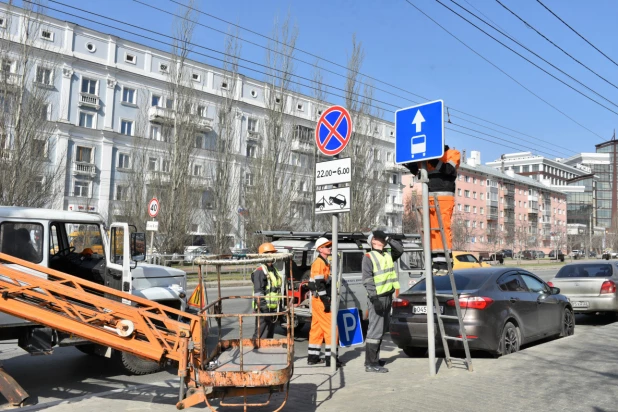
(576, 373)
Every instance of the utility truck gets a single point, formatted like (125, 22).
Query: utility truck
(80, 244)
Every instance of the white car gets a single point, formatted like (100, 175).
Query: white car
(191, 252)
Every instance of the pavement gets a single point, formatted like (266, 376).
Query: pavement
(575, 373)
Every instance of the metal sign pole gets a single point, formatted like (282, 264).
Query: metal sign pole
(151, 244)
(431, 343)
(334, 296)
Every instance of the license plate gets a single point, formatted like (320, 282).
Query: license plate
(580, 304)
(423, 309)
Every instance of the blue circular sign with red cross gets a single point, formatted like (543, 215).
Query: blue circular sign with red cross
(333, 131)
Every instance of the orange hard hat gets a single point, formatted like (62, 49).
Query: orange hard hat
(267, 248)
(87, 251)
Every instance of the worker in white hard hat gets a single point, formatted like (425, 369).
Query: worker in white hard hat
(320, 285)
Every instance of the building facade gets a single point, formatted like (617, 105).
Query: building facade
(110, 100)
(495, 210)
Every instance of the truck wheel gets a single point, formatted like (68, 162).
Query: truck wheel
(138, 366)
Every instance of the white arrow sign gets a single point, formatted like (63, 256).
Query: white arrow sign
(418, 121)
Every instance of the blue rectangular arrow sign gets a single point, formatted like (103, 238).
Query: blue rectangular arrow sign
(419, 132)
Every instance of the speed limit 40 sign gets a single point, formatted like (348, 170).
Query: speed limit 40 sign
(153, 207)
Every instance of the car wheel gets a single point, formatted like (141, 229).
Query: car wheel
(568, 323)
(414, 352)
(510, 339)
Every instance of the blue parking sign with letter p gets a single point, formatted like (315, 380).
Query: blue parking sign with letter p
(349, 327)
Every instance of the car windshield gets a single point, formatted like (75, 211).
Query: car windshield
(587, 270)
(467, 282)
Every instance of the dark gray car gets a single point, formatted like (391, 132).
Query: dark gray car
(502, 309)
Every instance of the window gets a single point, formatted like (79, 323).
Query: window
(123, 161)
(482, 225)
(22, 240)
(201, 111)
(467, 178)
(2, 22)
(535, 285)
(474, 223)
(122, 193)
(89, 86)
(196, 77)
(474, 209)
(389, 157)
(43, 76)
(394, 178)
(512, 283)
(466, 208)
(128, 95)
(352, 262)
(126, 127)
(83, 154)
(458, 192)
(474, 195)
(45, 111)
(249, 179)
(466, 193)
(7, 66)
(251, 151)
(252, 125)
(39, 148)
(475, 180)
(152, 164)
(81, 188)
(130, 58)
(163, 68)
(197, 170)
(482, 211)
(482, 196)
(47, 35)
(156, 100)
(411, 260)
(155, 132)
(199, 141)
(165, 166)
(169, 103)
(376, 154)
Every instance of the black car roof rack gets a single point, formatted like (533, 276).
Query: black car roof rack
(353, 236)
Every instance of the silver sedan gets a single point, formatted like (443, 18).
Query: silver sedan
(590, 286)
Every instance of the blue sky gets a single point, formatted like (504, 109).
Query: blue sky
(405, 49)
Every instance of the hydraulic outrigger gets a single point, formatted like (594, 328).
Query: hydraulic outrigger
(144, 328)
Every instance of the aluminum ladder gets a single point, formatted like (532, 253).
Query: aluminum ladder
(453, 295)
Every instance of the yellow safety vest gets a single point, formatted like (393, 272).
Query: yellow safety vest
(273, 288)
(384, 275)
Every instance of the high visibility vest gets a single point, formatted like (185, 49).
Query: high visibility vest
(384, 275)
(273, 288)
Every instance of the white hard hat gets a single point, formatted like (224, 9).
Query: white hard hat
(321, 242)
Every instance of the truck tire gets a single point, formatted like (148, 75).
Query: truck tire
(138, 366)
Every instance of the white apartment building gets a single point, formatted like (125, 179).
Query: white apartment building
(98, 84)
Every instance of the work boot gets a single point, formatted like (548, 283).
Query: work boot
(375, 369)
(314, 360)
(339, 363)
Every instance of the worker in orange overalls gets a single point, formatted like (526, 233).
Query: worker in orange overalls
(442, 174)
(320, 285)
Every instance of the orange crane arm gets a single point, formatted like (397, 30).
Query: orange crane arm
(97, 313)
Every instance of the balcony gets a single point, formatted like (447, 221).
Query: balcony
(9, 81)
(203, 124)
(89, 100)
(393, 208)
(302, 197)
(492, 216)
(160, 115)
(394, 167)
(533, 210)
(254, 136)
(84, 168)
(155, 176)
(302, 146)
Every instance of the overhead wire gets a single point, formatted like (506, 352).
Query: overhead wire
(322, 59)
(149, 38)
(555, 45)
(576, 32)
(502, 71)
(528, 60)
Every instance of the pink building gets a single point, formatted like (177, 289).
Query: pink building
(495, 210)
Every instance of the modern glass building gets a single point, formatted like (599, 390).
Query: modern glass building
(606, 185)
(582, 204)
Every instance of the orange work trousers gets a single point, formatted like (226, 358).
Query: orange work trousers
(320, 331)
(447, 204)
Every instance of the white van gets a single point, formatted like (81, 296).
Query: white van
(79, 244)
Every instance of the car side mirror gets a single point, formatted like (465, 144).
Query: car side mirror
(138, 247)
(555, 290)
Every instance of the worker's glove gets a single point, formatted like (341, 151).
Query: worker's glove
(326, 302)
(377, 305)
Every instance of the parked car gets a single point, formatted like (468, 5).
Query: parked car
(577, 254)
(590, 286)
(191, 252)
(592, 254)
(608, 254)
(508, 253)
(539, 254)
(492, 257)
(503, 308)
(560, 255)
(528, 254)
(465, 260)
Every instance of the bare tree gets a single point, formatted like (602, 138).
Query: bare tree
(269, 188)
(461, 229)
(369, 180)
(320, 91)
(28, 71)
(222, 197)
(411, 220)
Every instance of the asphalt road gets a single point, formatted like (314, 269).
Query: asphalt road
(69, 375)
